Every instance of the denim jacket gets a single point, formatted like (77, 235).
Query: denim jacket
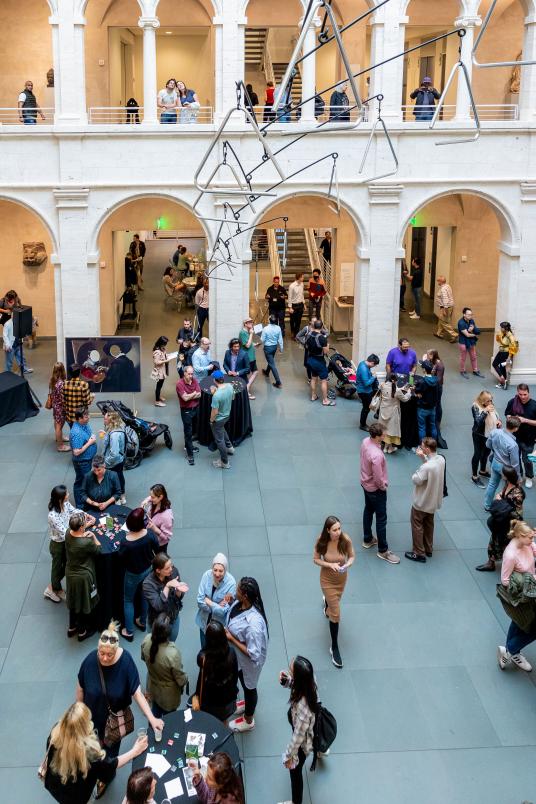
(227, 586)
(250, 629)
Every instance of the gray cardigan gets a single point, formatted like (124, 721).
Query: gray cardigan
(153, 591)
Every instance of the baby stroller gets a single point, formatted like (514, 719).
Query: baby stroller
(345, 374)
(141, 434)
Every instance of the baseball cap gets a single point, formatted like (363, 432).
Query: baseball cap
(218, 375)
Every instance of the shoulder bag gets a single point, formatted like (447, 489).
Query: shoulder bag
(43, 767)
(48, 403)
(197, 699)
(118, 724)
(374, 406)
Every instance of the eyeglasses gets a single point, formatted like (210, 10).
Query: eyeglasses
(111, 638)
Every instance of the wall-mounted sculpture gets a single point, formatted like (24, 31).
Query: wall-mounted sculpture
(34, 253)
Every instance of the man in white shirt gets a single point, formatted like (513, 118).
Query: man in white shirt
(202, 361)
(296, 304)
(168, 101)
(445, 302)
(13, 348)
(28, 106)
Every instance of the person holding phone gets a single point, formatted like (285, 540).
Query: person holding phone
(300, 679)
(425, 97)
(160, 369)
(221, 784)
(317, 291)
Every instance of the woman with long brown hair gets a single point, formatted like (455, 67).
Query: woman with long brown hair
(115, 447)
(222, 783)
(334, 553)
(55, 393)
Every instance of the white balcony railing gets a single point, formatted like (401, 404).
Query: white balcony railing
(120, 115)
(486, 111)
(12, 116)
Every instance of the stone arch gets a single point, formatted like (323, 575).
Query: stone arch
(49, 226)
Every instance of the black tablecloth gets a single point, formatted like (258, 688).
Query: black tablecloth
(239, 425)
(16, 403)
(174, 724)
(409, 431)
(110, 570)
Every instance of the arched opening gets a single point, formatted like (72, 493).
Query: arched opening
(26, 47)
(162, 224)
(27, 268)
(468, 239)
(114, 54)
(496, 91)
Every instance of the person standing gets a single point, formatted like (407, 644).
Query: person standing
(519, 557)
(164, 591)
(189, 394)
(222, 401)
(236, 361)
(334, 554)
(137, 250)
(168, 101)
(60, 511)
(524, 408)
(159, 515)
(317, 291)
(296, 303)
(28, 106)
(366, 384)
(401, 359)
(217, 680)
(160, 369)
(247, 631)
(76, 394)
(485, 421)
(427, 395)
(374, 482)
(201, 301)
(403, 275)
(389, 413)
(506, 507)
(13, 349)
(300, 679)
(114, 448)
(252, 99)
(425, 97)
(55, 392)
(468, 333)
(317, 348)
(215, 595)
(166, 678)
(415, 278)
(81, 547)
(429, 484)
(438, 370)
(137, 551)
(271, 339)
(508, 347)
(202, 361)
(445, 302)
(246, 339)
(268, 114)
(83, 449)
(276, 296)
(339, 104)
(504, 452)
(325, 247)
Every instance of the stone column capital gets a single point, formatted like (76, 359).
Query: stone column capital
(468, 21)
(385, 193)
(149, 22)
(71, 198)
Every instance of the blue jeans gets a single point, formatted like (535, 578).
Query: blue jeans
(516, 639)
(168, 117)
(417, 295)
(424, 114)
(493, 483)
(29, 121)
(426, 419)
(81, 468)
(15, 352)
(269, 353)
(129, 590)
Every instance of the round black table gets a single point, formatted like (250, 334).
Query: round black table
(109, 567)
(217, 738)
(239, 426)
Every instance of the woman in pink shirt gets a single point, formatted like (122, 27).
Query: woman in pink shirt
(519, 556)
(159, 515)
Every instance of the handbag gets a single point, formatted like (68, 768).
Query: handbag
(43, 767)
(375, 402)
(48, 403)
(118, 724)
(197, 699)
(155, 373)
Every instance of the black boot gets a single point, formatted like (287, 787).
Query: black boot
(334, 650)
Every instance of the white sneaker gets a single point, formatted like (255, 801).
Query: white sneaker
(230, 450)
(389, 556)
(240, 707)
(324, 753)
(519, 660)
(50, 595)
(240, 724)
(528, 482)
(122, 500)
(221, 465)
(160, 404)
(503, 659)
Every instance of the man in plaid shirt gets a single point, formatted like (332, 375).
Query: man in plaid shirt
(76, 394)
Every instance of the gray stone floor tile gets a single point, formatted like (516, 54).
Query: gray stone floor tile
(8, 505)
(269, 781)
(284, 506)
(21, 548)
(52, 657)
(203, 510)
(14, 582)
(291, 539)
(248, 540)
(25, 709)
(468, 535)
(502, 693)
(197, 541)
(243, 508)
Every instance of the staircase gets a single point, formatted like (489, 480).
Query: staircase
(255, 45)
(279, 71)
(297, 254)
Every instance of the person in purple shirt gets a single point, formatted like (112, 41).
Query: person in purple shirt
(401, 359)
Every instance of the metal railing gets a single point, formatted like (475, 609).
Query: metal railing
(486, 111)
(13, 116)
(120, 115)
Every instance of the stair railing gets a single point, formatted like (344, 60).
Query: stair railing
(267, 60)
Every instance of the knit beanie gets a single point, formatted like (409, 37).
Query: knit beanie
(220, 558)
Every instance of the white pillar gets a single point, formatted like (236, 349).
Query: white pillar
(308, 72)
(517, 283)
(69, 67)
(229, 31)
(463, 100)
(149, 26)
(387, 40)
(527, 93)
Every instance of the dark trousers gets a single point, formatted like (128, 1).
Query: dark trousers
(376, 503)
(480, 454)
(498, 360)
(296, 317)
(315, 308)
(202, 316)
(439, 407)
(250, 697)
(366, 400)
(59, 558)
(525, 450)
(516, 639)
(118, 469)
(81, 468)
(189, 421)
(422, 531)
(402, 294)
(82, 622)
(269, 353)
(296, 779)
(223, 442)
(159, 384)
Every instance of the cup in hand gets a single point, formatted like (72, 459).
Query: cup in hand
(157, 735)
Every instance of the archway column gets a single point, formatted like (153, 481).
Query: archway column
(378, 277)
(69, 67)
(149, 26)
(527, 92)
(517, 284)
(308, 71)
(230, 28)
(463, 100)
(387, 40)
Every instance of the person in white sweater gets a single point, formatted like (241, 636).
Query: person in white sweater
(429, 484)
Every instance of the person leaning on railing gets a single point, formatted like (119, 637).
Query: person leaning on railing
(28, 106)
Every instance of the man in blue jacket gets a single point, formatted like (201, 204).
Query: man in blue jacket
(236, 360)
(366, 384)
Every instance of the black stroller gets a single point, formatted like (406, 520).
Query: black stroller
(345, 374)
(141, 434)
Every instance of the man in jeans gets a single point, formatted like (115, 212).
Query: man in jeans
(83, 449)
(222, 400)
(427, 395)
(374, 482)
(189, 393)
(271, 339)
(504, 452)
(524, 408)
(429, 485)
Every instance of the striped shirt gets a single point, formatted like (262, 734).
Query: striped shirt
(76, 394)
(444, 296)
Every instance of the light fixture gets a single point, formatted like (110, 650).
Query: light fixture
(168, 33)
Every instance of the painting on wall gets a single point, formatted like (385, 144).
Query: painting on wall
(109, 364)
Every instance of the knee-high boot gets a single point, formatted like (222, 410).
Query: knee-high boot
(334, 650)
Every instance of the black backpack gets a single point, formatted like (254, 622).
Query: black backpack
(501, 511)
(325, 731)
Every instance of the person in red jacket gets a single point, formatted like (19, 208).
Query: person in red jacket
(317, 291)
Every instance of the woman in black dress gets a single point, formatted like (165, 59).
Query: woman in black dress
(217, 682)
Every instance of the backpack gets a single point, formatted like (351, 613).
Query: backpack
(501, 511)
(324, 733)
(132, 448)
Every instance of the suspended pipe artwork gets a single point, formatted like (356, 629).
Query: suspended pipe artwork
(379, 120)
(522, 63)
(459, 66)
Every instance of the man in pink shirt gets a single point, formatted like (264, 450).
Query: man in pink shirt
(373, 472)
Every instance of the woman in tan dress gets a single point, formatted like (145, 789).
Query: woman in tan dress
(389, 416)
(334, 553)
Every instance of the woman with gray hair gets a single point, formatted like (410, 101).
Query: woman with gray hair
(81, 547)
